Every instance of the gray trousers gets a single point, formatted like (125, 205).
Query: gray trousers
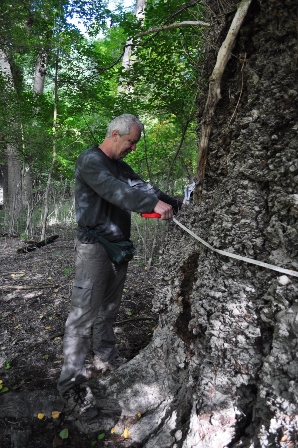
(96, 298)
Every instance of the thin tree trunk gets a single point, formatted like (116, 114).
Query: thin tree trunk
(177, 152)
(40, 73)
(48, 187)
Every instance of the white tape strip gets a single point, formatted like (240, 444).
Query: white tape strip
(238, 257)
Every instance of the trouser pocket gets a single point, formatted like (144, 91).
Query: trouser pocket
(81, 294)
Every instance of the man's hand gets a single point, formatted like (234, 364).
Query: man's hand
(164, 209)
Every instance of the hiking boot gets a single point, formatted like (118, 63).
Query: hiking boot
(113, 364)
(80, 401)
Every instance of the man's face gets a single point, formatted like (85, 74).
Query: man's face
(127, 143)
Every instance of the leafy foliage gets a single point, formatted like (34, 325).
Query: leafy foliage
(160, 85)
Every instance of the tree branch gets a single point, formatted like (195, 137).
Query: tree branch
(173, 25)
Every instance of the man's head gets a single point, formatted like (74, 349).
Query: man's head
(123, 124)
(122, 135)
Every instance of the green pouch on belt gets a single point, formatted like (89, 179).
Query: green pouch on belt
(120, 252)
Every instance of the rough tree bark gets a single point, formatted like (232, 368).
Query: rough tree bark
(222, 367)
(214, 95)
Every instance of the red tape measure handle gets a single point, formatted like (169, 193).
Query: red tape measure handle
(151, 215)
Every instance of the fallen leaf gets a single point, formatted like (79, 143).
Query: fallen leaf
(113, 430)
(40, 416)
(139, 415)
(126, 433)
(4, 389)
(48, 327)
(56, 414)
(57, 442)
(101, 436)
(64, 433)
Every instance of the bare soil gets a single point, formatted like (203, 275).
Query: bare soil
(35, 299)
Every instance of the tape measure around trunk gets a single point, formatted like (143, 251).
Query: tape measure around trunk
(237, 257)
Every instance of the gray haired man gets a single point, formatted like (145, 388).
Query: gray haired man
(106, 191)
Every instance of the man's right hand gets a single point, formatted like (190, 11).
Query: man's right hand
(164, 209)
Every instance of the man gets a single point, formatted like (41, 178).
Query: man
(106, 191)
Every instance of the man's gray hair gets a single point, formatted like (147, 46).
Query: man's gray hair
(123, 124)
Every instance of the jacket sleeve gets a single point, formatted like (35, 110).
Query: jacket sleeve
(140, 184)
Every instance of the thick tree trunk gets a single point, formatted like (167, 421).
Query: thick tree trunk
(222, 367)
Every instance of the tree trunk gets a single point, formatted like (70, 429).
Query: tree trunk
(222, 366)
(3, 185)
(128, 59)
(38, 87)
(40, 73)
(54, 154)
(13, 199)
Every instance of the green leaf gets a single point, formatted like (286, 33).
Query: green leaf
(64, 433)
(101, 436)
(4, 389)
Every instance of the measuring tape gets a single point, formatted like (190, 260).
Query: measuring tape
(223, 252)
(237, 257)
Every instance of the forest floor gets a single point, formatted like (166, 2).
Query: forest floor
(35, 293)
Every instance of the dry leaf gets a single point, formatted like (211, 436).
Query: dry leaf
(57, 442)
(126, 433)
(139, 415)
(40, 416)
(56, 414)
(113, 430)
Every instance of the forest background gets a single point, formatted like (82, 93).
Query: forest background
(68, 68)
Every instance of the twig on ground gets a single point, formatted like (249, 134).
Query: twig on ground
(134, 320)
(3, 288)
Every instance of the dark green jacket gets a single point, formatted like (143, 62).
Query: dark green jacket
(106, 191)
